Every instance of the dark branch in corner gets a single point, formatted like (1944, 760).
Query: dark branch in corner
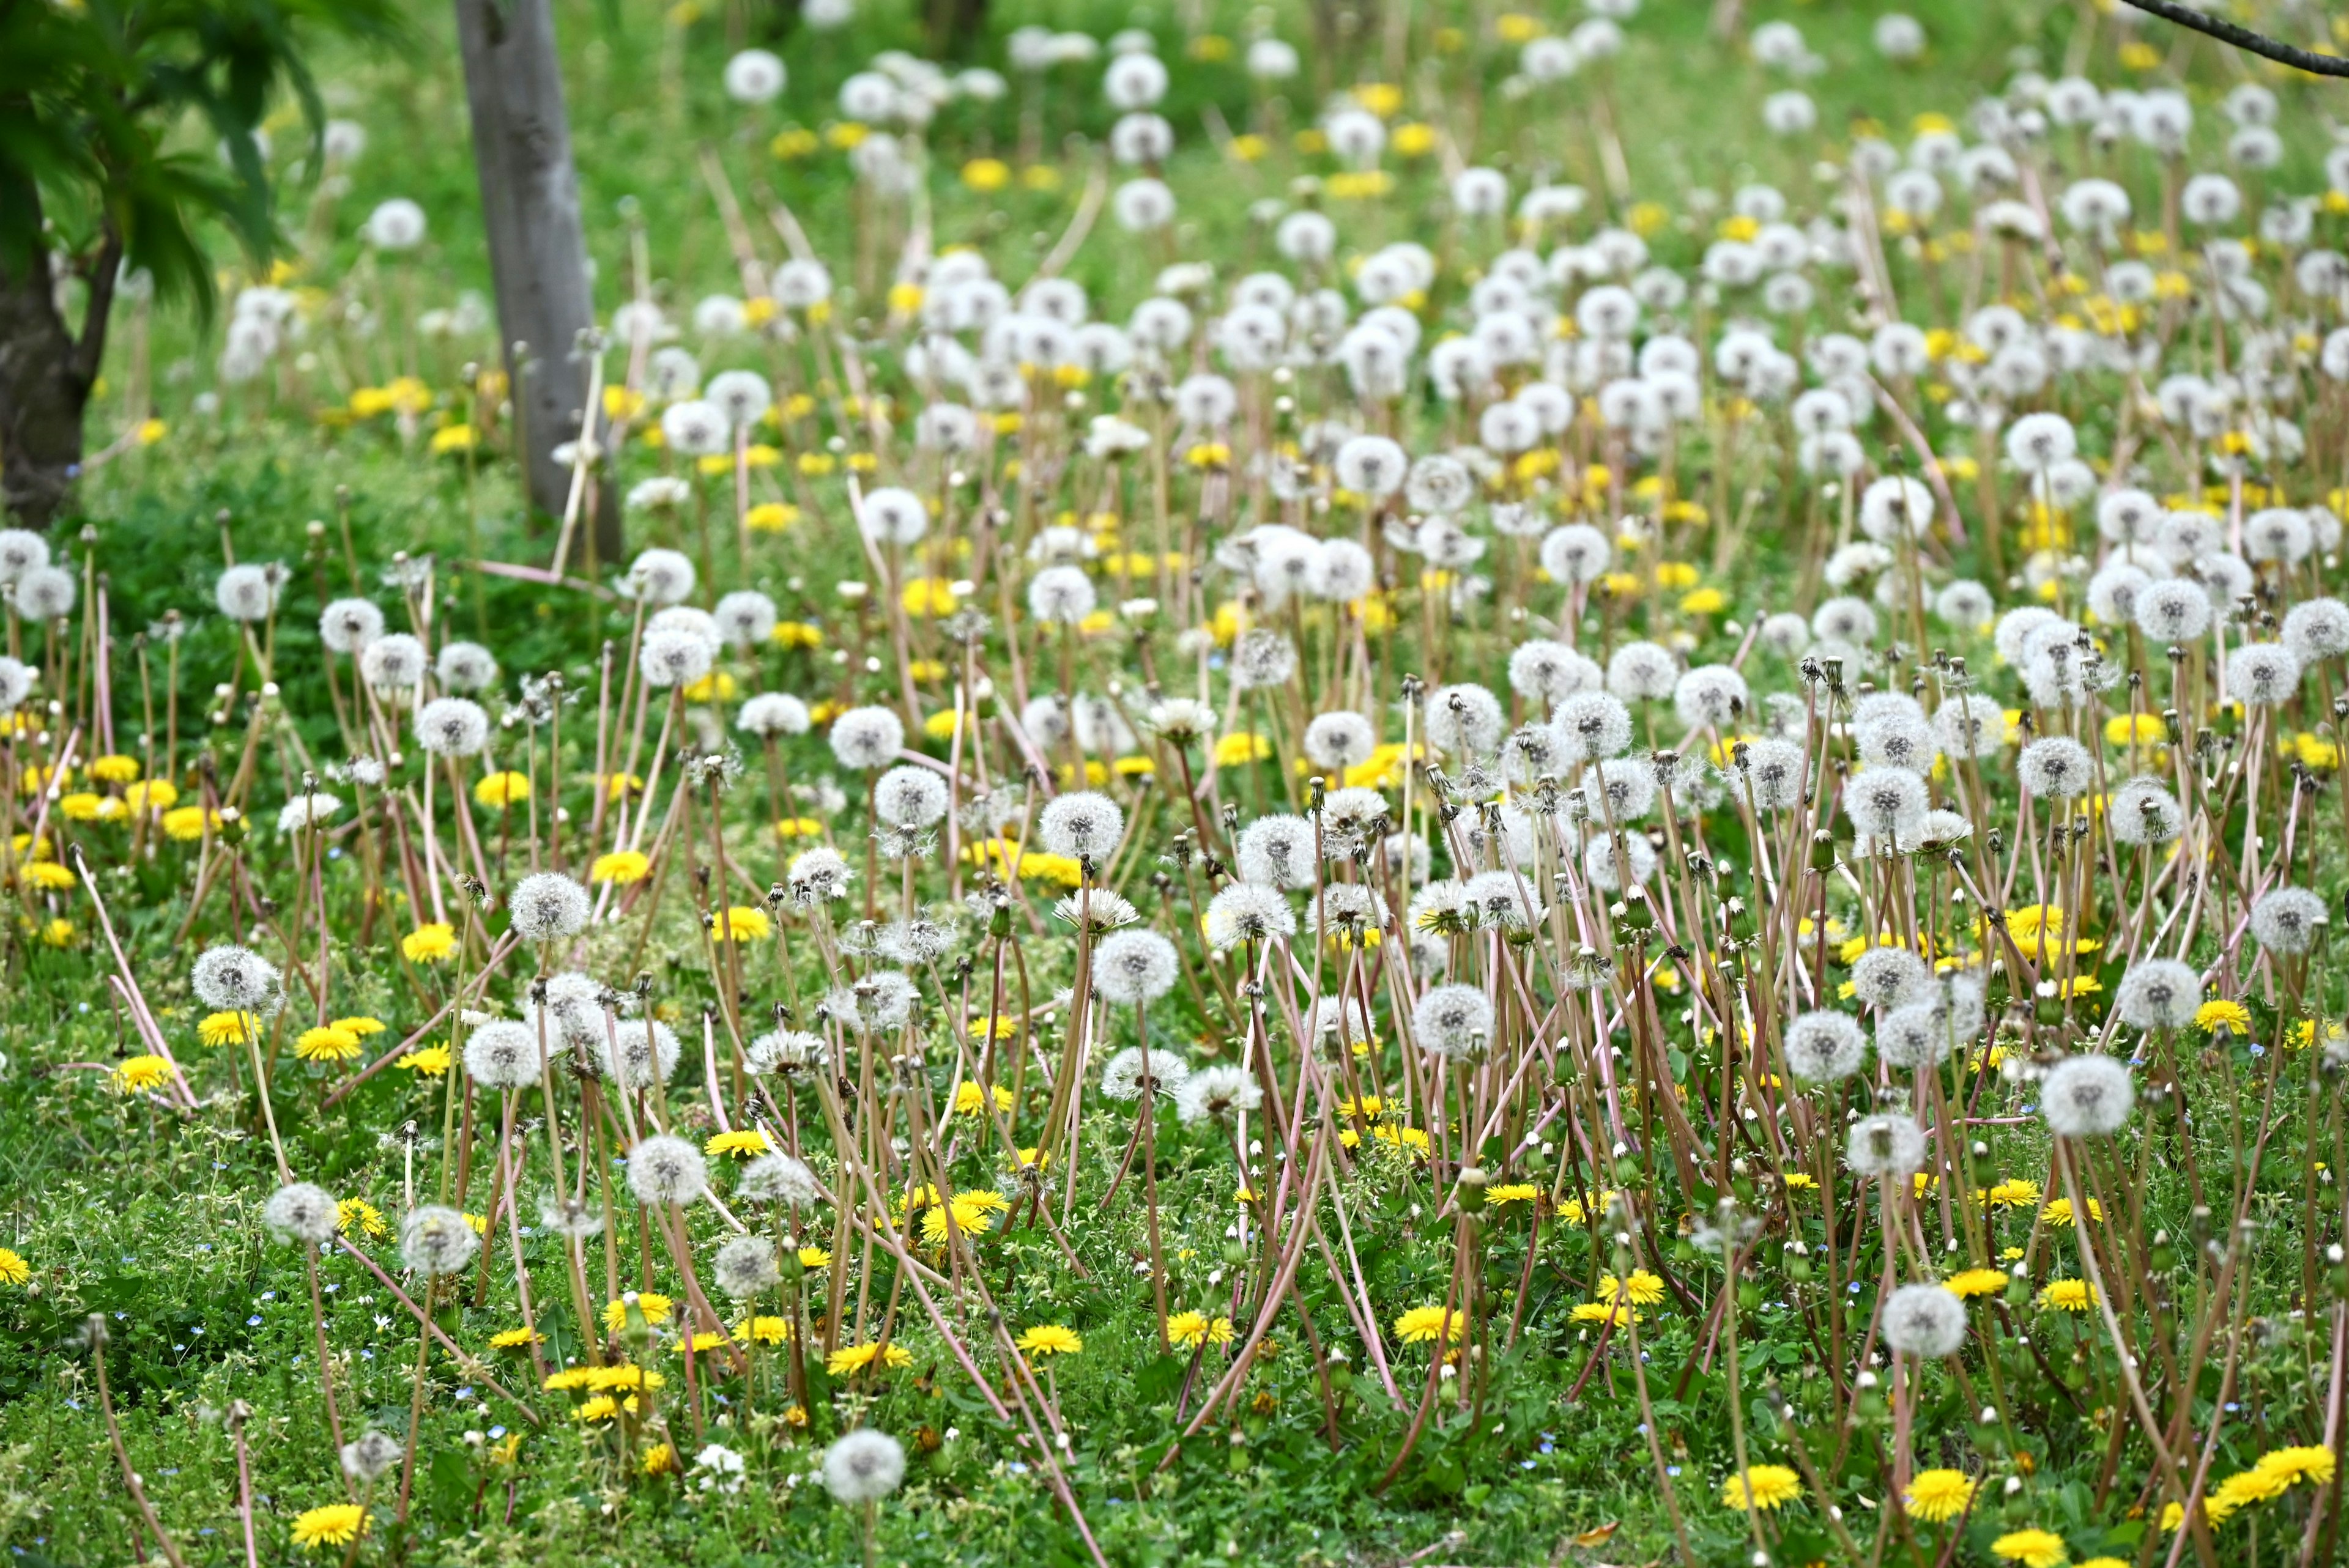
(2244, 38)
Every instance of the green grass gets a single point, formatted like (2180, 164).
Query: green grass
(152, 1223)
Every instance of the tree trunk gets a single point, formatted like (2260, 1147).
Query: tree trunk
(538, 255)
(46, 375)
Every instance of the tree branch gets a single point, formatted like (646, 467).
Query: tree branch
(90, 350)
(2244, 38)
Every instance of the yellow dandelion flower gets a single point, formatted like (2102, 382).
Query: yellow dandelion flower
(510, 1338)
(766, 1329)
(358, 1213)
(14, 1269)
(1935, 1495)
(1644, 1288)
(1051, 1339)
(502, 789)
(660, 1459)
(2058, 1210)
(429, 944)
(1421, 1323)
(857, 1358)
(327, 1044)
(2068, 1295)
(748, 923)
(221, 1029)
(336, 1524)
(358, 1023)
(430, 1062)
(1764, 1487)
(1968, 1283)
(2313, 1462)
(2031, 1548)
(2218, 1013)
(136, 1075)
(745, 1143)
(1602, 1312)
(816, 1257)
(115, 769)
(971, 1100)
(622, 866)
(651, 1302)
(1192, 1330)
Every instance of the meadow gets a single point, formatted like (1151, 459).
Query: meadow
(1435, 785)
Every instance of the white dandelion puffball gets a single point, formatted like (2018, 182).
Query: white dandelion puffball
(2088, 1096)
(2159, 994)
(865, 737)
(1885, 1146)
(1082, 825)
(548, 906)
(1821, 1047)
(302, 1212)
(754, 76)
(1452, 1021)
(1925, 1320)
(397, 224)
(436, 1241)
(664, 1168)
(862, 1467)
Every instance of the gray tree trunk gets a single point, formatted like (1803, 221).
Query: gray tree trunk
(538, 255)
(45, 373)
